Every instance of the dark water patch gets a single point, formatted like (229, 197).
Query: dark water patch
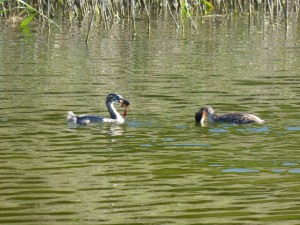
(54, 168)
(17, 221)
(30, 198)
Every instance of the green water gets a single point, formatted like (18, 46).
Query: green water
(158, 167)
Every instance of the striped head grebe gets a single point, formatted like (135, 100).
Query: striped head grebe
(114, 115)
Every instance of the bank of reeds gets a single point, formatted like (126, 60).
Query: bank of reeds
(110, 10)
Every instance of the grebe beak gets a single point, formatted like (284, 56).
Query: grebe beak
(204, 115)
(124, 104)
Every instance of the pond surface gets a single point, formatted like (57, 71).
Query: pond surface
(158, 167)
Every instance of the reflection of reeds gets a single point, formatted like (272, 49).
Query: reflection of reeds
(107, 11)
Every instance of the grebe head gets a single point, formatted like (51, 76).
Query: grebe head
(111, 98)
(203, 113)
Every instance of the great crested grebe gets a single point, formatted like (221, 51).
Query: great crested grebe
(115, 116)
(208, 113)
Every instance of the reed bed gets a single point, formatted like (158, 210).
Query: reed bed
(107, 11)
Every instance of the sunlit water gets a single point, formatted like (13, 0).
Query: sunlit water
(158, 167)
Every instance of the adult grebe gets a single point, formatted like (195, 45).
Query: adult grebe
(238, 117)
(115, 116)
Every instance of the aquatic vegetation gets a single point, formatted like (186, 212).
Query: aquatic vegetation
(108, 11)
(21, 8)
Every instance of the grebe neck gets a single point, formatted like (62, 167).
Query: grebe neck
(113, 112)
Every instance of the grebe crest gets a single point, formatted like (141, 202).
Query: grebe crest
(208, 113)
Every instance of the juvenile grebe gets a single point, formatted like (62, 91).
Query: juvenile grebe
(238, 117)
(115, 116)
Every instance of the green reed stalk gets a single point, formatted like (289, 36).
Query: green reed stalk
(91, 22)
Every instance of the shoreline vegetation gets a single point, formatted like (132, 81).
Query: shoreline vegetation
(106, 12)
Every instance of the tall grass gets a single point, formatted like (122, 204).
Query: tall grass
(107, 11)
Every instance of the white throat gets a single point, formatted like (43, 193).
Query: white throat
(119, 118)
